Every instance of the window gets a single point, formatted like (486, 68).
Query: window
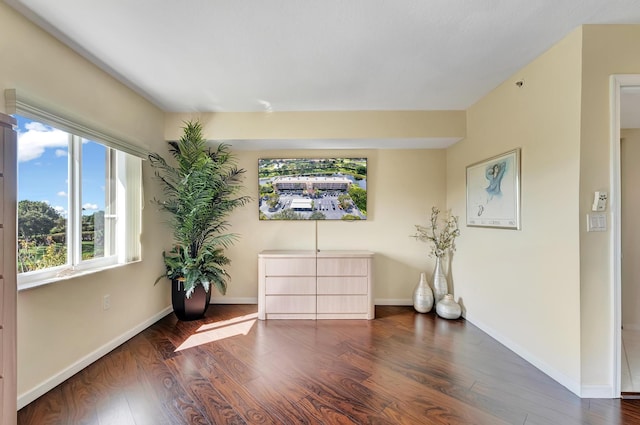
(79, 204)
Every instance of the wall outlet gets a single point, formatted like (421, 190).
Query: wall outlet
(106, 302)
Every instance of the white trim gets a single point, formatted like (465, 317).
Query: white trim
(18, 103)
(543, 366)
(74, 213)
(225, 300)
(616, 82)
(596, 391)
(42, 388)
(393, 301)
(64, 273)
(254, 300)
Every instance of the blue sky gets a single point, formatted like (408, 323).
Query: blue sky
(43, 164)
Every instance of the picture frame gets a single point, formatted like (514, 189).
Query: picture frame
(317, 188)
(493, 192)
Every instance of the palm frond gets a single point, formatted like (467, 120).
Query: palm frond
(199, 192)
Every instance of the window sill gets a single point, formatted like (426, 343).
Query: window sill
(68, 274)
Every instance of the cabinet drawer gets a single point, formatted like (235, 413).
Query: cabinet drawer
(290, 285)
(342, 304)
(1, 199)
(343, 285)
(2, 252)
(343, 266)
(291, 304)
(290, 267)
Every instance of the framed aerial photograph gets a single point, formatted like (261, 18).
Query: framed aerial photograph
(493, 192)
(324, 188)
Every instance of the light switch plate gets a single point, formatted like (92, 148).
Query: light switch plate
(596, 222)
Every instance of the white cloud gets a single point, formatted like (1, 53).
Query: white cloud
(37, 138)
(61, 152)
(61, 210)
(62, 193)
(37, 126)
(88, 206)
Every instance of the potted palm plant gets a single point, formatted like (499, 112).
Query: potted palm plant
(200, 189)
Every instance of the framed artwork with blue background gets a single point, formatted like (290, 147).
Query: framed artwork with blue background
(493, 192)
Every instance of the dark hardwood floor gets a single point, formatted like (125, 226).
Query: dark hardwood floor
(401, 368)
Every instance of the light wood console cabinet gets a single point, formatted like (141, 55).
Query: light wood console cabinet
(310, 285)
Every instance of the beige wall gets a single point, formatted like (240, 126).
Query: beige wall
(62, 323)
(402, 186)
(630, 176)
(560, 118)
(607, 50)
(323, 125)
(523, 286)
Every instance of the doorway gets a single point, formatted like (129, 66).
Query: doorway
(630, 243)
(625, 131)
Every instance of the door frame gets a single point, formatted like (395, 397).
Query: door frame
(617, 82)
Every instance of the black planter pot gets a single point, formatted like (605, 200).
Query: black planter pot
(192, 308)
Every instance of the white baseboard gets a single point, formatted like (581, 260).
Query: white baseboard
(393, 301)
(377, 301)
(226, 300)
(597, 391)
(51, 383)
(554, 374)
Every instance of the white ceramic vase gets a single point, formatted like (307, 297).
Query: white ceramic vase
(440, 287)
(447, 308)
(422, 295)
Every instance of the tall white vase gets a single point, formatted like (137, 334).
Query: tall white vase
(422, 295)
(440, 287)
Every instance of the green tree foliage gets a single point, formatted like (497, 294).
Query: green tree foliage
(317, 215)
(266, 189)
(33, 257)
(359, 197)
(344, 201)
(288, 214)
(36, 218)
(273, 200)
(42, 236)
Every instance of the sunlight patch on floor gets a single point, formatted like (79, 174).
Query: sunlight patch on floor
(211, 332)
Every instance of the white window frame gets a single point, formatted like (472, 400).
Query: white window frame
(126, 190)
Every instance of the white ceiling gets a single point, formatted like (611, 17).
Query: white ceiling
(303, 55)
